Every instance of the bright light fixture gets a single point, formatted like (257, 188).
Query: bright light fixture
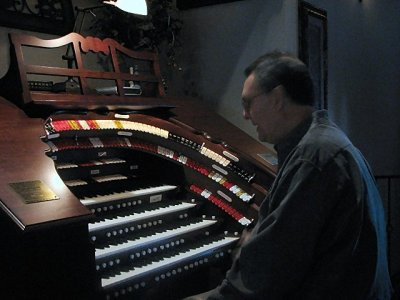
(137, 7)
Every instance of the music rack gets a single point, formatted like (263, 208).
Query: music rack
(143, 69)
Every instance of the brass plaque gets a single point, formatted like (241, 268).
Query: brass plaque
(33, 191)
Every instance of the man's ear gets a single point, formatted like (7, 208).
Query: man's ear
(279, 97)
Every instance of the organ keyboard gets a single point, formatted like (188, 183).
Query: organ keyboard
(175, 263)
(140, 216)
(145, 204)
(125, 195)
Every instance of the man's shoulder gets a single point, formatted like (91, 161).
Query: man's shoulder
(327, 135)
(322, 142)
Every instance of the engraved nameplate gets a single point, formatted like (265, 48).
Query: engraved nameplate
(33, 191)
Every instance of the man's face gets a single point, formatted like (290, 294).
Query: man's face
(258, 107)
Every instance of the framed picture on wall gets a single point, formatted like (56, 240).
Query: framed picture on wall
(47, 16)
(313, 48)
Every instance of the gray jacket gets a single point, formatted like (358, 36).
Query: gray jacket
(321, 230)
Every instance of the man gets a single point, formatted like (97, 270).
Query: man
(321, 229)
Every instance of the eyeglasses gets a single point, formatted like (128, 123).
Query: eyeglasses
(246, 103)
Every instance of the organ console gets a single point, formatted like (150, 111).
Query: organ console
(109, 189)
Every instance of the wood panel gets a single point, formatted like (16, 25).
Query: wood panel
(23, 159)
